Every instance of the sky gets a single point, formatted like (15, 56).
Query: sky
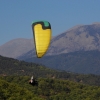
(16, 16)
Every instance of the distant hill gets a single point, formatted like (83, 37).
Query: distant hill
(12, 67)
(16, 47)
(87, 62)
(81, 37)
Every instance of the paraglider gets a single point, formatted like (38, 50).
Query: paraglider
(33, 81)
(42, 37)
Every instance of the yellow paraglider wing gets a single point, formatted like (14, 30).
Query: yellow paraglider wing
(42, 36)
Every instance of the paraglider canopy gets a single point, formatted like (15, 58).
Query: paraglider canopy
(42, 36)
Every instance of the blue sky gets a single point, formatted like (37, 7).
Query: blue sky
(16, 16)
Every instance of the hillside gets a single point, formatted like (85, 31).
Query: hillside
(9, 67)
(12, 91)
(14, 88)
(81, 37)
(52, 84)
(86, 62)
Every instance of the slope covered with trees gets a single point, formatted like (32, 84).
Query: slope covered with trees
(17, 88)
(9, 66)
(52, 84)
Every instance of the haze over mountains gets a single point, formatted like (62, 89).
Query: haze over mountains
(82, 37)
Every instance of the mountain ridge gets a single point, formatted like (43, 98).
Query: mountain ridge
(80, 37)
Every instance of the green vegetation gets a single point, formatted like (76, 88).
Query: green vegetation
(11, 91)
(52, 84)
(9, 66)
(17, 88)
(12, 67)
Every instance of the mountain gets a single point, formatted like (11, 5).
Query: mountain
(10, 67)
(16, 47)
(87, 62)
(81, 37)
